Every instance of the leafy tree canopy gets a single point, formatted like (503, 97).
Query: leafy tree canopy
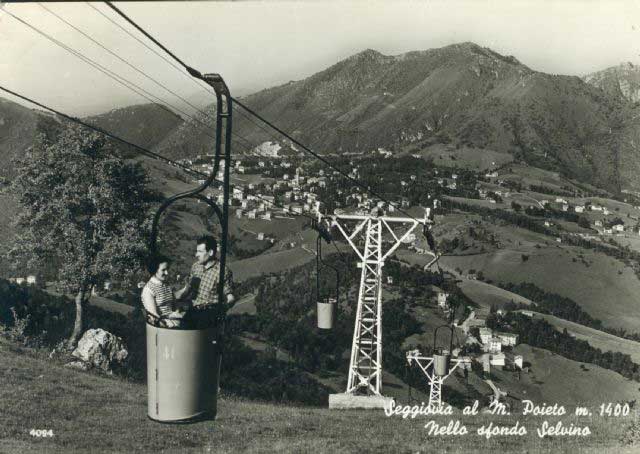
(85, 211)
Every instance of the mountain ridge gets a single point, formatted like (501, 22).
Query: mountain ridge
(462, 94)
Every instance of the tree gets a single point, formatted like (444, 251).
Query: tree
(84, 216)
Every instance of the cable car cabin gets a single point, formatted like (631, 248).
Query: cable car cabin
(183, 369)
(442, 357)
(325, 309)
(441, 362)
(326, 313)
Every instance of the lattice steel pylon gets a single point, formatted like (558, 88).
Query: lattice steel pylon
(426, 364)
(365, 368)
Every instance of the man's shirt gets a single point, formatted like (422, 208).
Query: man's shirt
(209, 275)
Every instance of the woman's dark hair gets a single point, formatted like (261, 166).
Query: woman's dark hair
(153, 263)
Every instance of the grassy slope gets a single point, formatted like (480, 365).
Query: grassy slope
(96, 413)
(606, 288)
(598, 339)
(486, 294)
(598, 288)
(275, 262)
(465, 157)
(554, 378)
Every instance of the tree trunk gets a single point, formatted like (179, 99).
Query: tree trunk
(77, 326)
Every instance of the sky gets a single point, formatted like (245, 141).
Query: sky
(259, 44)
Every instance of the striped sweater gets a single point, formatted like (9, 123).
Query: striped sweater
(161, 293)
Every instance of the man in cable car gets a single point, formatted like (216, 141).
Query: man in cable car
(202, 288)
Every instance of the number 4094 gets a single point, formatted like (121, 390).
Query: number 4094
(41, 432)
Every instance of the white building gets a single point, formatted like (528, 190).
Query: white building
(442, 299)
(497, 359)
(518, 361)
(508, 339)
(485, 335)
(494, 345)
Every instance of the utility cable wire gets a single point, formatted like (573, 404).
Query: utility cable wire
(208, 116)
(129, 64)
(189, 69)
(144, 151)
(122, 80)
(195, 81)
(197, 74)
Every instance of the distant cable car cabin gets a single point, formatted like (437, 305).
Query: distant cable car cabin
(326, 308)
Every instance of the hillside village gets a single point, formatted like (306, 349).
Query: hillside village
(286, 186)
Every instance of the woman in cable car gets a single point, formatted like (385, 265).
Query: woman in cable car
(158, 298)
